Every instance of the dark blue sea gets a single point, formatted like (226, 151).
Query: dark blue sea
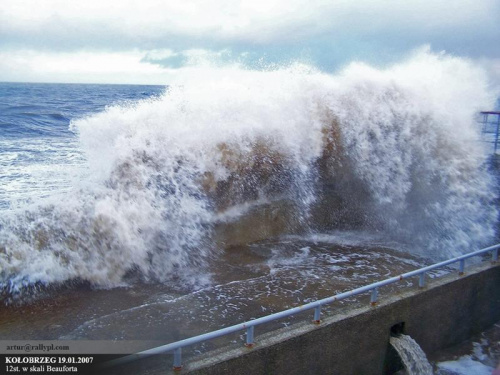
(38, 151)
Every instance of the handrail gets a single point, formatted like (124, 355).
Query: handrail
(494, 123)
(316, 305)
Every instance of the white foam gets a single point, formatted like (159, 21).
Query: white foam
(407, 132)
(465, 365)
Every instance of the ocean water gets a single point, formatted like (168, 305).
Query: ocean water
(39, 154)
(113, 185)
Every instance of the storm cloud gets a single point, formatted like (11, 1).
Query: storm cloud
(156, 38)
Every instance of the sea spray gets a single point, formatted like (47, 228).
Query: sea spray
(397, 149)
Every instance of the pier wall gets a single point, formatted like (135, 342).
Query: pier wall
(447, 311)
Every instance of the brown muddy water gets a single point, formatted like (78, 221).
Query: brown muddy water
(246, 282)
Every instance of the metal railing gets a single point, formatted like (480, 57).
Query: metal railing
(176, 347)
(490, 131)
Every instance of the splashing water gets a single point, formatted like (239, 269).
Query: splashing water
(392, 150)
(412, 355)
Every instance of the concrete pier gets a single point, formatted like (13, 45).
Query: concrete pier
(447, 311)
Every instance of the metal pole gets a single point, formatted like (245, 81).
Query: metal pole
(373, 299)
(494, 256)
(462, 267)
(485, 123)
(497, 133)
(317, 314)
(249, 342)
(421, 281)
(177, 359)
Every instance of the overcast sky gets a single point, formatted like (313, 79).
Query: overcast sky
(150, 41)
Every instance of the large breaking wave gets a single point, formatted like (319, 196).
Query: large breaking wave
(392, 150)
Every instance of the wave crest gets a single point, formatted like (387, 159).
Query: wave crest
(394, 150)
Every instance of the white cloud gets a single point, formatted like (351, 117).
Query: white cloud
(86, 67)
(159, 54)
(134, 67)
(188, 57)
(150, 35)
(258, 21)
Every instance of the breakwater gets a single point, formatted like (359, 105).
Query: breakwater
(446, 312)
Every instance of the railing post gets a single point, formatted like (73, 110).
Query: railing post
(494, 256)
(374, 297)
(177, 359)
(421, 280)
(485, 122)
(317, 314)
(461, 267)
(497, 133)
(249, 342)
